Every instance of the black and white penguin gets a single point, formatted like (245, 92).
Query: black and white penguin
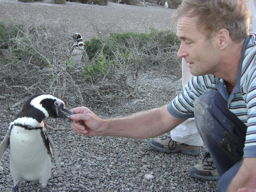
(30, 148)
(78, 38)
(78, 53)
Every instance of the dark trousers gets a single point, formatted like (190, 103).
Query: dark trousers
(223, 134)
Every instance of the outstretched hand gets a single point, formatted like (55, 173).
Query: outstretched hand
(85, 121)
(246, 190)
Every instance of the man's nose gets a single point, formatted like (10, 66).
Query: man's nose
(181, 52)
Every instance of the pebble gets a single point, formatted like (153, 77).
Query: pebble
(148, 176)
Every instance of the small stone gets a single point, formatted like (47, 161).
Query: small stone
(148, 176)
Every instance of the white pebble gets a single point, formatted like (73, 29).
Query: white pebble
(148, 176)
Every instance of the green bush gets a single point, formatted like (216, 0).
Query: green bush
(38, 61)
(2, 32)
(93, 46)
(99, 67)
(127, 48)
(124, 41)
(120, 53)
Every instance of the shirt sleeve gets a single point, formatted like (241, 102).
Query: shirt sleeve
(182, 106)
(250, 99)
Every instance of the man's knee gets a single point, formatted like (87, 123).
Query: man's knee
(207, 100)
(205, 110)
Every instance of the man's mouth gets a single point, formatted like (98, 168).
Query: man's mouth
(189, 63)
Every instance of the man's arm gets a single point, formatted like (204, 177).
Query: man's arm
(144, 124)
(245, 177)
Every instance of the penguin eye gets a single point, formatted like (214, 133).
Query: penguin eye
(58, 104)
(56, 108)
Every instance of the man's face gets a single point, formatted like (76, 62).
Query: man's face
(200, 52)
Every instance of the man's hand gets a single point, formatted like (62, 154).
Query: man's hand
(86, 122)
(245, 179)
(246, 190)
(144, 124)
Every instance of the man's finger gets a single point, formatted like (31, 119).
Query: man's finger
(80, 110)
(246, 190)
(80, 116)
(78, 126)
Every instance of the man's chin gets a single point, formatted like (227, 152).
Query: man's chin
(197, 73)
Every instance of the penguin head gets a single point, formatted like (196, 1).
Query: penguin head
(50, 105)
(43, 106)
(77, 37)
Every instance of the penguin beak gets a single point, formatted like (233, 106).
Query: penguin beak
(62, 112)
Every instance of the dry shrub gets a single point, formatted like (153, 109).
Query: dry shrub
(29, 0)
(97, 2)
(60, 1)
(26, 0)
(38, 60)
(126, 56)
(130, 2)
(173, 4)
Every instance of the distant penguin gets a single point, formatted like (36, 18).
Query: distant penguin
(78, 53)
(166, 4)
(30, 148)
(77, 37)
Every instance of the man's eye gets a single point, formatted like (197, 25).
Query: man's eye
(188, 42)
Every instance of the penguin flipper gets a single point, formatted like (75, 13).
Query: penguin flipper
(55, 155)
(4, 145)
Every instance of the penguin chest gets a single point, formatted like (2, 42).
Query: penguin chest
(28, 155)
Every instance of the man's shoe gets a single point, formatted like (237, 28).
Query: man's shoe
(167, 145)
(205, 170)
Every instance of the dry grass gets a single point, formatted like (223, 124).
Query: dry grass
(38, 60)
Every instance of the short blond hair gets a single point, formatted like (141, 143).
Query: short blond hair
(214, 15)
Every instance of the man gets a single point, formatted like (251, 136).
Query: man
(185, 137)
(221, 95)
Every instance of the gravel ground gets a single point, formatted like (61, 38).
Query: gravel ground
(106, 164)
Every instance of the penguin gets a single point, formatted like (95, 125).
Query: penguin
(78, 44)
(77, 37)
(166, 4)
(30, 148)
(78, 53)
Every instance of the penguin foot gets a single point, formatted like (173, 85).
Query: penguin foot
(16, 189)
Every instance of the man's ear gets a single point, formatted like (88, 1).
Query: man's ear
(223, 38)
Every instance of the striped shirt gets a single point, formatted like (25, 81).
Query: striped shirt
(241, 102)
